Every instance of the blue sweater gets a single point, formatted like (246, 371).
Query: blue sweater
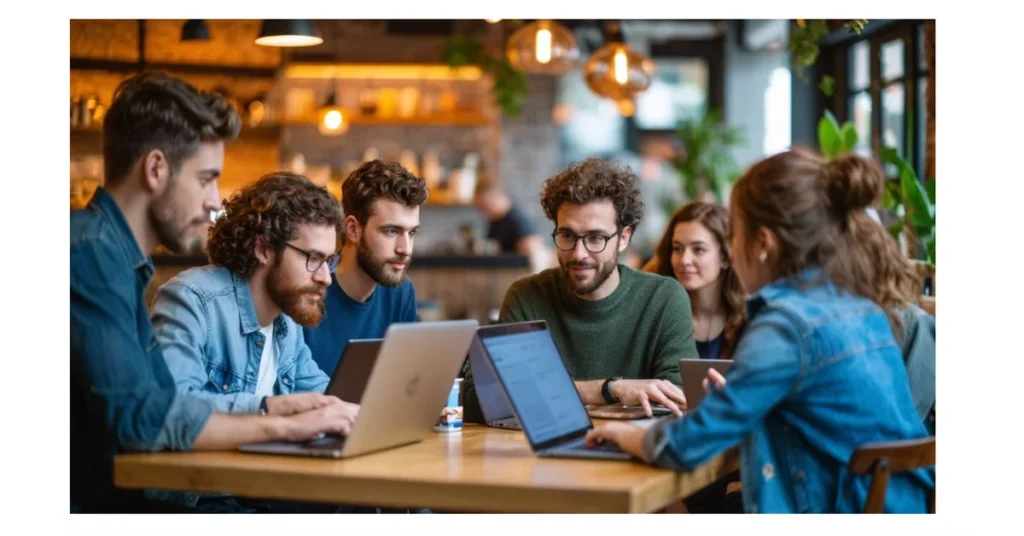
(348, 319)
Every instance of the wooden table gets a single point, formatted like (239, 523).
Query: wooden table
(480, 469)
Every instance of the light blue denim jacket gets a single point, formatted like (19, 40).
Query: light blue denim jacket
(206, 323)
(816, 374)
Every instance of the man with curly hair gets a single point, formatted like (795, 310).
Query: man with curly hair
(163, 150)
(369, 291)
(231, 330)
(621, 333)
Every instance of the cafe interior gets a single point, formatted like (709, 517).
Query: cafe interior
(687, 105)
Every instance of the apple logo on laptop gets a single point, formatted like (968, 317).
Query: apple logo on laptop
(410, 388)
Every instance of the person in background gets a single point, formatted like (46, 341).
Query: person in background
(163, 150)
(695, 252)
(818, 370)
(369, 290)
(620, 332)
(509, 226)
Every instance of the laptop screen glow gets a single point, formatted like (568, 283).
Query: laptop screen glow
(538, 384)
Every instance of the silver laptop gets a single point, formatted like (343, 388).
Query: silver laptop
(408, 386)
(693, 372)
(497, 409)
(524, 358)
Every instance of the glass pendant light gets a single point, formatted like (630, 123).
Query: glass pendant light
(618, 72)
(543, 47)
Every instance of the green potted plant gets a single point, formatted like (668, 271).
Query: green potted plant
(909, 203)
(708, 167)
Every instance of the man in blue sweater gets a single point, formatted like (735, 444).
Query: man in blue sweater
(369, 290)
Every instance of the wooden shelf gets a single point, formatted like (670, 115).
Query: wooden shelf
(457, 120)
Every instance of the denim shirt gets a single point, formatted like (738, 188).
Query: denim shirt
(816, 374)
(122, 395)
(205, 320)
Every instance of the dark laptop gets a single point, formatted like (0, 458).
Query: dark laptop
(524, 358)
(353, 369)
(498, 411)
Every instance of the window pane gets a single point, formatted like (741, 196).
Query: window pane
(860, 113)
(922, 124)
(679, 91)
(894, 120)
(892, 60)
(860, 65)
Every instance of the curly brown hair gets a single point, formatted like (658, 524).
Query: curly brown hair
(375, 180)
(714, 218)
(273, 207)
(593, 180)
(155, 111)
(816, 209)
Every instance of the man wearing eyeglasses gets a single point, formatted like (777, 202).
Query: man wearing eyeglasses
(620, 332)
(370, 291)
(231, 330)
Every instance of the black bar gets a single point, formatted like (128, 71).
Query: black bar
(88, 64)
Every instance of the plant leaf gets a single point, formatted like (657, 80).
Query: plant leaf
(920, 213)
(849, 137)
(828, 136)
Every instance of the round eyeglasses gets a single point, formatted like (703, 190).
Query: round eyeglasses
(594, 242)
(314, 260)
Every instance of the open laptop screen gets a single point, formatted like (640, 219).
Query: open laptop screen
(538, 385)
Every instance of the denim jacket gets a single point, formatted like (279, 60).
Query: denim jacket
(205, 320)
(123, 397)
(817, 373)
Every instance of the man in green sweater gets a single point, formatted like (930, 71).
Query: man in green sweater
(621, 333)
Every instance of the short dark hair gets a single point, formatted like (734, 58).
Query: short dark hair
(375, 180)
(156, 111)
(273, 207)
(594, 180)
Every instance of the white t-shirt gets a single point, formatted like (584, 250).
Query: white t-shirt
(268, 364)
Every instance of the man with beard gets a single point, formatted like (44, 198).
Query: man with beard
(163, 150)
(621, 333)
(230, 330)
(369, 290)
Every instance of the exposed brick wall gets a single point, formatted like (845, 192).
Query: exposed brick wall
(105, 39)
(232, 42)
(530, 149)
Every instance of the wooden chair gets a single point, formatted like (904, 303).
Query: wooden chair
(881, 459)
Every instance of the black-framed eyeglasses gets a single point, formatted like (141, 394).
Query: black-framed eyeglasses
(315, 260)
(594, 242)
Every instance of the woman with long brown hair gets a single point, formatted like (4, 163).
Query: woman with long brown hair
(817, 371)
(695, 251)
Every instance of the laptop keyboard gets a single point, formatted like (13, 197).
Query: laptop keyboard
(581, 445)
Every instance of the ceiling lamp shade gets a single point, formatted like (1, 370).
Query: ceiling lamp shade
(618, 72)
(289, 33)
(195, 30)
(543, 47)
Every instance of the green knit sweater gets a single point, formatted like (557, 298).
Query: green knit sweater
(640, 331)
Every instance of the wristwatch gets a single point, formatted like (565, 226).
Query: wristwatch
(606, 391)
(263, 406)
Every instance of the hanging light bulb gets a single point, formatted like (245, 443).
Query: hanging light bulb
(331, 119)
(543, 47)
(618, 72)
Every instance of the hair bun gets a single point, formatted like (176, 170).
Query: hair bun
(853, 182)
